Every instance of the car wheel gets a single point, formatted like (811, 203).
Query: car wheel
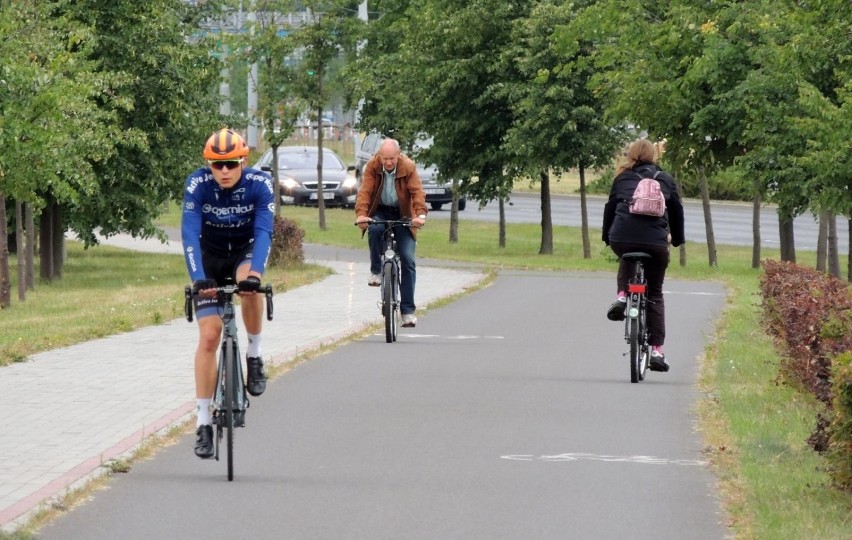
(462, 204)
(437, 205)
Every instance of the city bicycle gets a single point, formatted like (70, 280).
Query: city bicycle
(391, 276)
(635, 320)
(229, 400)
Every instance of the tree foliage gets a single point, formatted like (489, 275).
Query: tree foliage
(104, 106)
(158, 86)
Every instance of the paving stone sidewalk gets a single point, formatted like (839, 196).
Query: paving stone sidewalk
(75, 409)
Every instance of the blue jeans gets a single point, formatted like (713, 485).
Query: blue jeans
(405, 245)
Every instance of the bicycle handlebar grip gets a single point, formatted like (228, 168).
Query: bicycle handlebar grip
(187, 305)
(269, 302)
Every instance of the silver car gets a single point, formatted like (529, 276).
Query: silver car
(297, 174)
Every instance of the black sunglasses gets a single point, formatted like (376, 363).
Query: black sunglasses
(231, 164)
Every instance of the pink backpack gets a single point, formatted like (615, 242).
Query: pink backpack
(648, 198)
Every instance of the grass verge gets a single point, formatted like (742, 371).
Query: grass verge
(104, 291)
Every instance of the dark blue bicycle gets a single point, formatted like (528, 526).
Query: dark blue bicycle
(230, 400)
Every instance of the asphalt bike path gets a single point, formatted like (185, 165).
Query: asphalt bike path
(76, 409)
(505, 414)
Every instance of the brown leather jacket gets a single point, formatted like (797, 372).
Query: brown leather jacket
(409, 189)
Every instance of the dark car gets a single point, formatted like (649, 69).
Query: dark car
(438, 193)
(297, 174)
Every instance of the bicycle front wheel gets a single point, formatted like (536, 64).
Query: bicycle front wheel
(388, 308)
(230, 401)
(397, 304)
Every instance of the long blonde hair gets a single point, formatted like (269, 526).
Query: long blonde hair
(639, 151)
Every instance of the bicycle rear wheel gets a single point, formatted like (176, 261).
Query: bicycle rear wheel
(644, 349)
(635, 351)
(387, 302)
(230, 401)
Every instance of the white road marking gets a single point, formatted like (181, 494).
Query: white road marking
(646, 460)
(430, 336)
(693, 293)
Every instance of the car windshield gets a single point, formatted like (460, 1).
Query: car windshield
(307, 159)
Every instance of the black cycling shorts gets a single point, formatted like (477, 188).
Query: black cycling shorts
(224, 271)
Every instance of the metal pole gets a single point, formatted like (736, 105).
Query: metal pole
(252, 91)
(356, 138)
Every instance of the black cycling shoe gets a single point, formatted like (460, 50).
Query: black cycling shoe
(658, 363)
(256, 383)
(616, 311)
(204, 442)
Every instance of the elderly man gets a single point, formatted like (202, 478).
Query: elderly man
(391, 189)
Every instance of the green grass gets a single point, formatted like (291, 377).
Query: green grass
(105, 291)
(776, 485)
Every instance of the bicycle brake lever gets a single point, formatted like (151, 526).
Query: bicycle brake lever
(187, 305)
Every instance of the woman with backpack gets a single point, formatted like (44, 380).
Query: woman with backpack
(634, 221)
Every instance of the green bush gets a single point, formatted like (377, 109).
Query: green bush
(287, 249)
(809, 315)
(840, 440)
(603, 182)
(726, 185)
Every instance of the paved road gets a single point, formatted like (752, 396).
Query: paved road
(732, 222)
(506, 414)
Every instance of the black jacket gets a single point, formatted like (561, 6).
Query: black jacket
(619, 225)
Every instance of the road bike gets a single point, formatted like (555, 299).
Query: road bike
(230, 400)
(635, 320)
(391, 276)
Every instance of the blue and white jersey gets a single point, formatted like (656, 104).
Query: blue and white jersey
(223, 222)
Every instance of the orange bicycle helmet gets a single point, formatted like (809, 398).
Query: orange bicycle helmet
(225, 144)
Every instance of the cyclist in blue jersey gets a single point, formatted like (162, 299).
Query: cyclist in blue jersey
(226, 229)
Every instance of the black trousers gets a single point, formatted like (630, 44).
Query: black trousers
(655, 274)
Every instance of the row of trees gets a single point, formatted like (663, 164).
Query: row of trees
(514, 89)
(104, 103)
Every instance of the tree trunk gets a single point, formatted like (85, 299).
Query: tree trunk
(787, 238)
(20, 250)
(833, 250)
(822, 235)
(51, 240)
(584, 215)
(58, 237)
(502, 226)
(320, 196)
(45, 250)
(682, 248)
(454, 213)
(29, 223)
(546, 217)
(5, 280)
(755, 229)
(708, 218)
